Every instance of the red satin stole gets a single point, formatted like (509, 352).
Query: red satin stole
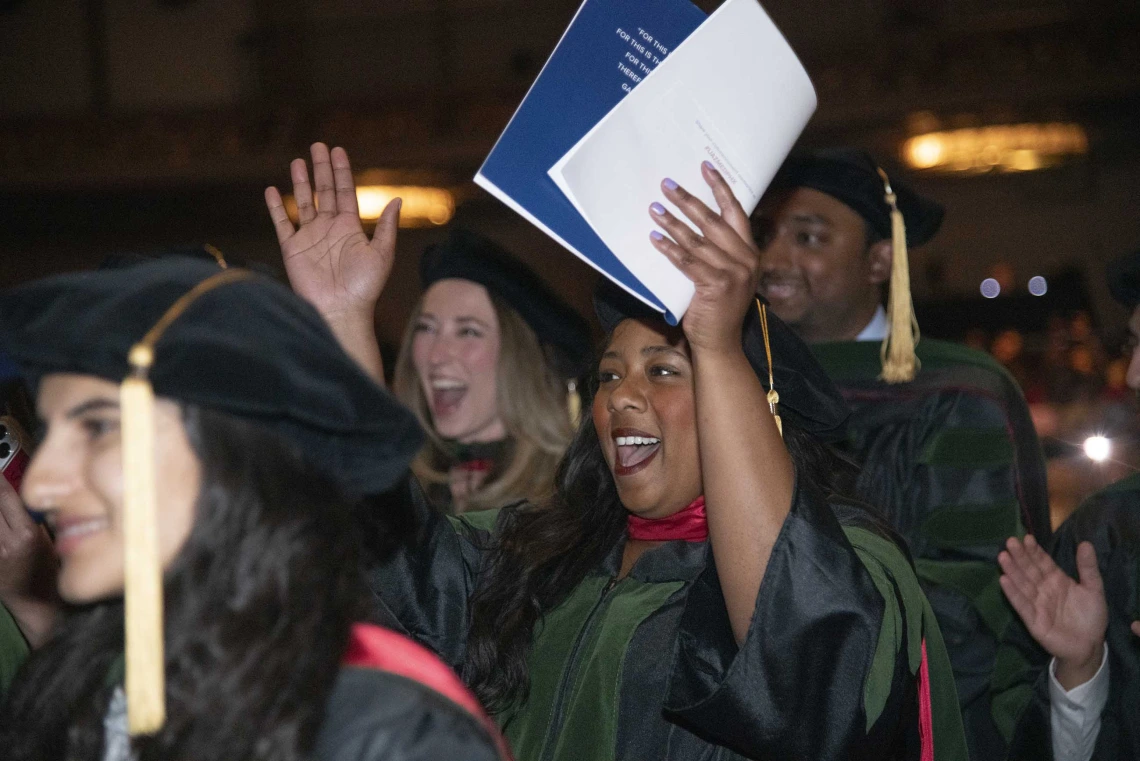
(688, 525)
(378, 648)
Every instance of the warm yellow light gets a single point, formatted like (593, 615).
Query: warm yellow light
(1025, 160)
(997, 148)
(925, 152)
(422, 206)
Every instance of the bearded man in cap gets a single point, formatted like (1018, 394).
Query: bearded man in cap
(943, 433)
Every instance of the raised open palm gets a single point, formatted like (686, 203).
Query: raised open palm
(1066, 618)
(329, 260)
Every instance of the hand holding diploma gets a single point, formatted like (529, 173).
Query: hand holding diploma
(722, 260)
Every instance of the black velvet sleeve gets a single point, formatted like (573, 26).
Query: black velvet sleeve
(795, 688)
(376, 716)
(422, 588)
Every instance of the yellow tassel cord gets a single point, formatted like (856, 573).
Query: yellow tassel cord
(145, 658)
(216, 252)
(573, 403)
(146, 699)
(897, 353)
(773, 397)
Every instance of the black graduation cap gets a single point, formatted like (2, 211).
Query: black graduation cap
(251, 349)
(1124, 279)
(468, 256)
(852, 176)
(806, 395)
(204, 251)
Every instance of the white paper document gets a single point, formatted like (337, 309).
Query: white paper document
(734, 94)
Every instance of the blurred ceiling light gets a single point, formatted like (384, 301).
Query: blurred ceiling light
(423, 206)
(1098, 448)
(998, 148)
(1038, 286)
(990, 288)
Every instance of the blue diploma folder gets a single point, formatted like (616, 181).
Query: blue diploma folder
(580, 83)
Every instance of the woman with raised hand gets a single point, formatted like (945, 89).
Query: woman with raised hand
(697, 587)
(265, 436)
(487, 352)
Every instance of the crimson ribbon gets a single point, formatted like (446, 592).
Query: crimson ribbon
(925, 711)
(688, 525)
(377, 648)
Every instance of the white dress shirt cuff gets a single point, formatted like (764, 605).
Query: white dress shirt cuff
(1075, 714)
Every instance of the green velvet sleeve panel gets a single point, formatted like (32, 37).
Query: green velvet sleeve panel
(13, 649)
(908, 620)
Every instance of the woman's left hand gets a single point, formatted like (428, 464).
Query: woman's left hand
(723, 261)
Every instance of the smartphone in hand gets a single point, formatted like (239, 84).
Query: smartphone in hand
(14, 454)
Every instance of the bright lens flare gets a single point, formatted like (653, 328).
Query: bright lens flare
(1098, 448)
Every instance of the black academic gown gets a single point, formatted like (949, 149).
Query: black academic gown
(1110, 520)
(952, 460)
(395, 701)
(646, 667)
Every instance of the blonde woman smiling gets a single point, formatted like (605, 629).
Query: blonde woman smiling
(485, 357)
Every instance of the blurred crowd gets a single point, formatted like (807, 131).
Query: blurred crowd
(1074, 378)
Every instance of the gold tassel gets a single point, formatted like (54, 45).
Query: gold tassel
(146, 684)
(897, 352)
(573, 403)
(142, 591)
(216, 252)
(773, 396)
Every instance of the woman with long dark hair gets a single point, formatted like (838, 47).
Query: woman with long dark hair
(265, 437)
(698, 587)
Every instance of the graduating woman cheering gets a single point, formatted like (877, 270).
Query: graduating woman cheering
(696, 588)
(485, 357)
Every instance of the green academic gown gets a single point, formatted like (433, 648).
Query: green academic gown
(13, 649)
(1110, 520)
(953, 460)
(646, 666)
